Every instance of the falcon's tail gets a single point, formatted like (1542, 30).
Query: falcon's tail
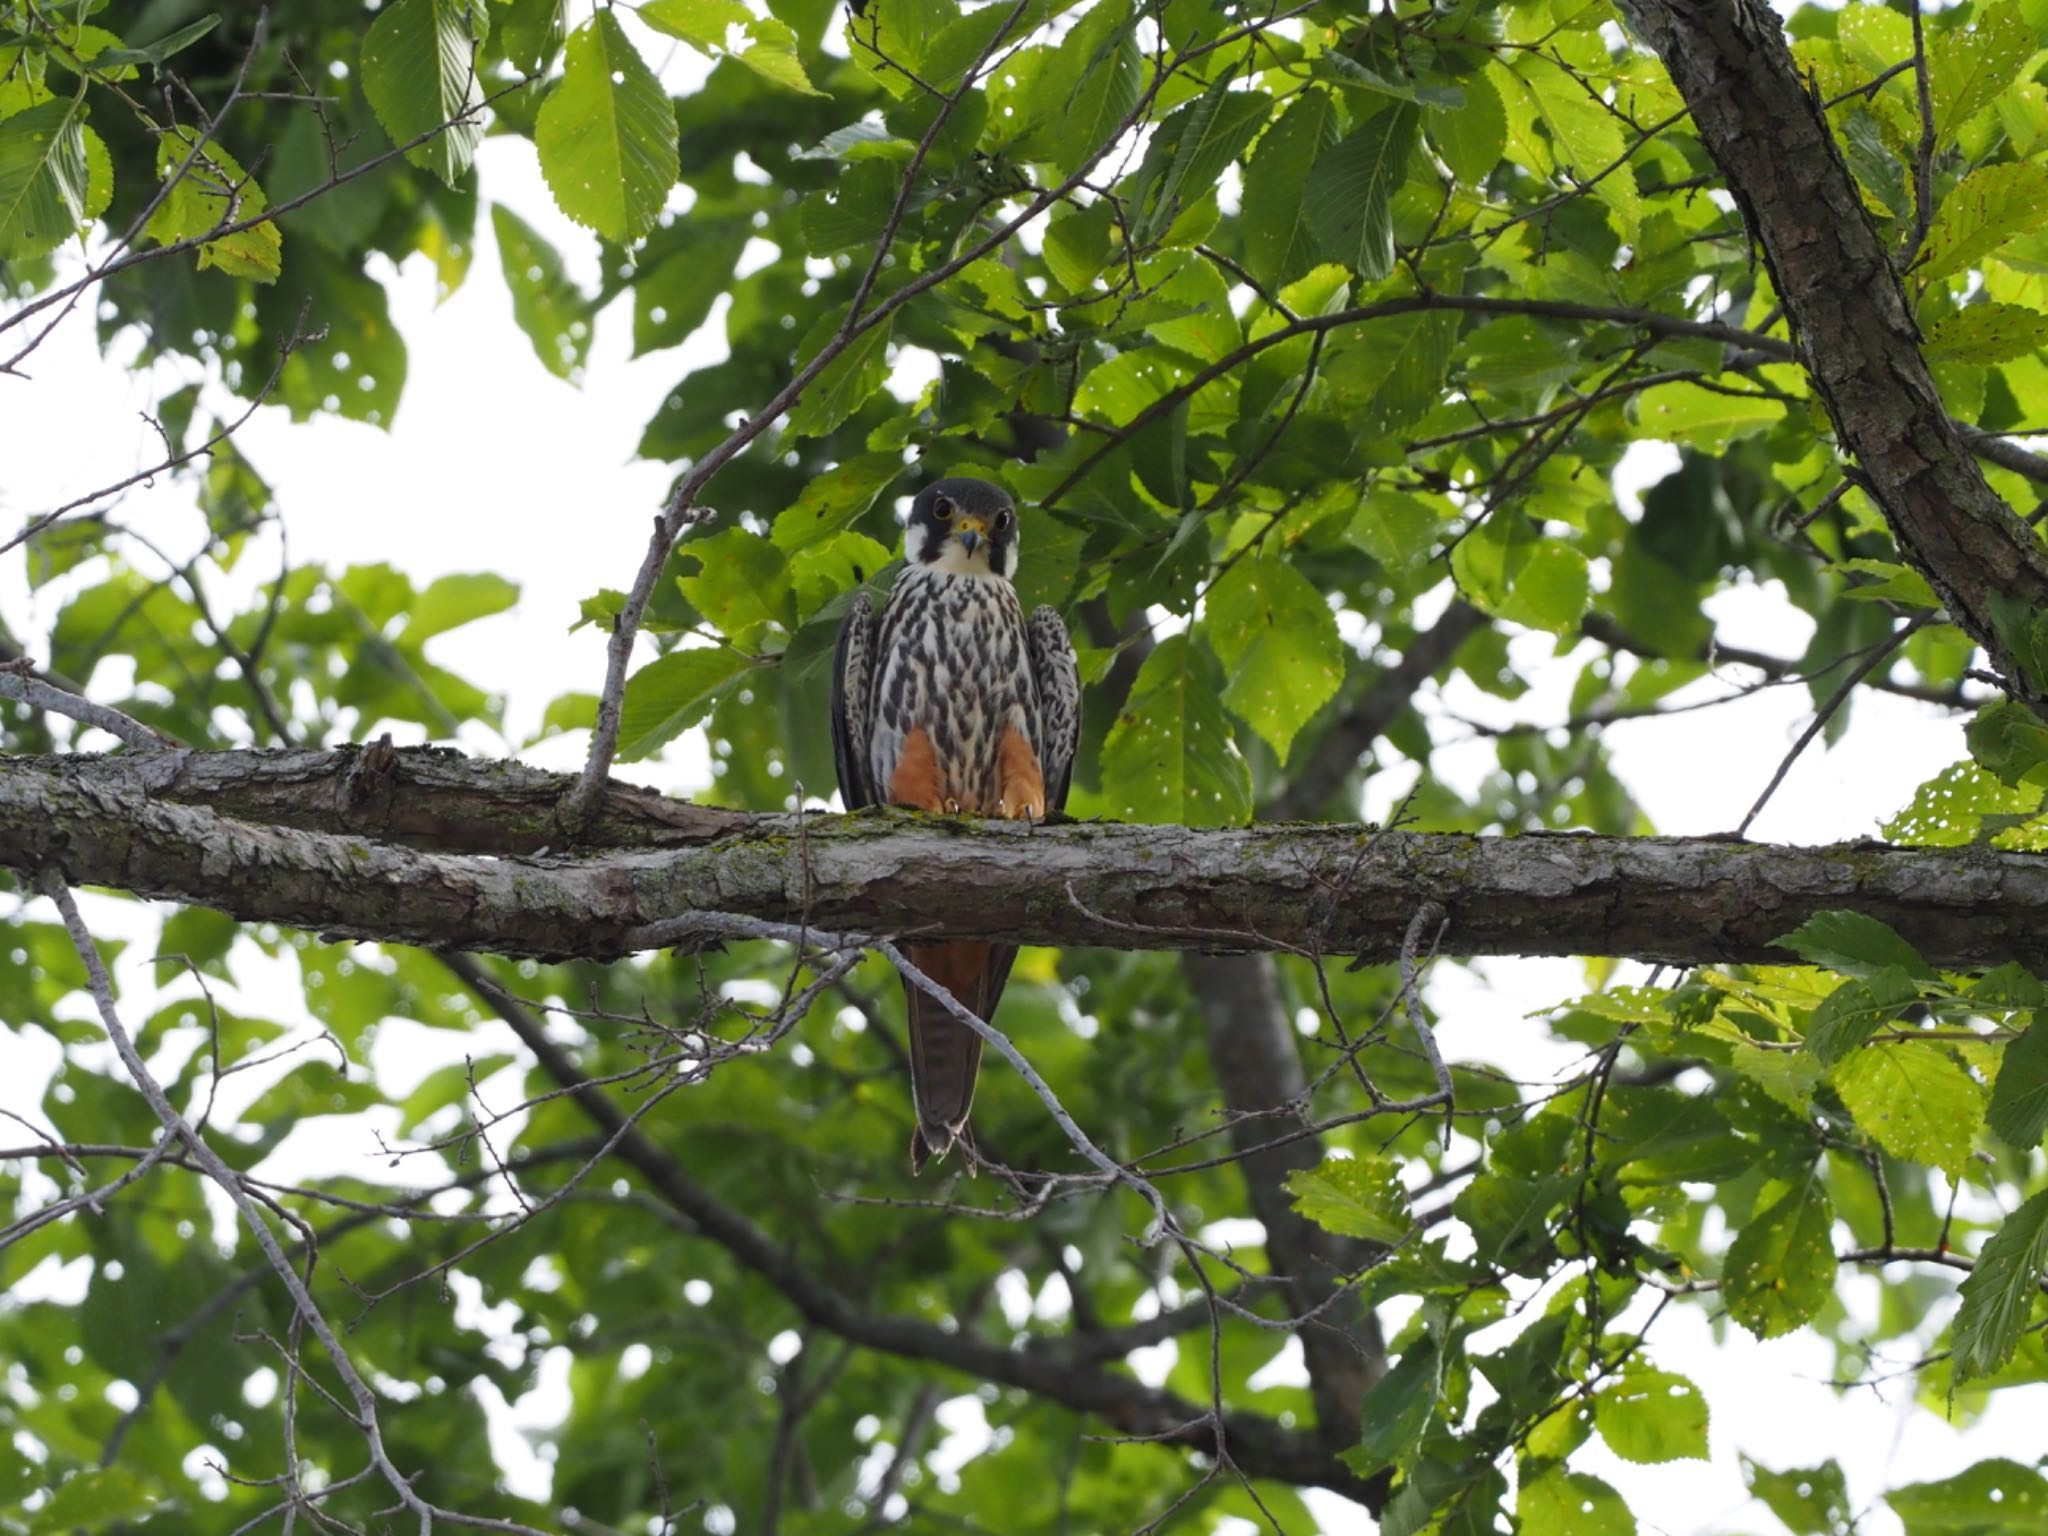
(945, 1054)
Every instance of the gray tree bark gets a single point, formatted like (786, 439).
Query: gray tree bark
(185, 826)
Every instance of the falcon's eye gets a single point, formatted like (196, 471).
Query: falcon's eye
(942, 509)
(1002, 520)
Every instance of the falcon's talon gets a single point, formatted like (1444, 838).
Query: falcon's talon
(952, 806)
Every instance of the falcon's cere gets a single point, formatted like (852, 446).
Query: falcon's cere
(951, 700)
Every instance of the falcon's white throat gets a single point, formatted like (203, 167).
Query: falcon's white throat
(953, 559)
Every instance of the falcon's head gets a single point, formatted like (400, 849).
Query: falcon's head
(963, 527)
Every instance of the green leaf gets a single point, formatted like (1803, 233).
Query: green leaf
(1169, 757)
(1100, 56)
(94, 1500)
(703, 24)
(1190, 150)
(1552, 591)
(1561, 1503)
(1855, 1010)
(43, 178)
(844, 386)
(165, 47)
(852, 214)
(1706, 420)
(1647, 1415)
(449, 602)
(1914, 1100)
(820, 572)
(835, 500)
(1894, 583)
(672, 693)
(1351, 187)
(1470, 138)
(1396, 1412)
(674, 292)
(1277, 639)
(742, 586)
(607, 134)
(1780, 1269)
(1390, 374)
(419, 68)
(1970, 67)
(2000, 1293)
(1811, 1501)
(2009, 740)
(1996, 1497)
(1991, 205)
(546, 304)
(1587, 137)
(1853, 944)
(1279, 244)
(770, 52)
(2018, 1111)
(1354, 1197)
(213, 192)
(1987, 333)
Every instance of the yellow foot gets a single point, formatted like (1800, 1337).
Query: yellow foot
(952, 807)
(1022, 808)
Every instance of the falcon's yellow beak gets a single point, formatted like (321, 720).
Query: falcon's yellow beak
(970, 531)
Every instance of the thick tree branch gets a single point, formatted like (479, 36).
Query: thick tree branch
(116, 821)
(1855, 328)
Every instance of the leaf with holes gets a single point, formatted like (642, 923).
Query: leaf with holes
(1277, 639)
(1169, 757)
(607, 134)
(1780, 1269)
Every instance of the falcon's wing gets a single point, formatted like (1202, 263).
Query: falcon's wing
(853, 701)
(1058, 677)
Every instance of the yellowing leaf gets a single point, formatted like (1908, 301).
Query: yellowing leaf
(1991, 205)
(1913, 1100)
(212, 193)
(1780, 1269)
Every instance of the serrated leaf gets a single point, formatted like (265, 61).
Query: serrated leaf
(1190, 150)
(1987, 333)
(1991, 205)
(552, 311)
(846, 382)
(1470, 138)
(1552, 591)
(607, 135)
(1353, 1197)
(1351, 187)
(1279, 243)
(1811, 1501)
(1169, 757)
(2000, 1294)
(741, 586)
(1780, 1269)
(672, 693)
(2008, 740)
(1588, 139)
(1914, 1101)
(1396, 1412)
(1853, 944)
(769, 50)
(703, 24)
(1078, 242)
(1561, 1503)
(835, 500)
(43, 178)
(854, 213)
(674, 293)
(1855, 1010)
(211, 193)
(1100, 56)
(419, 72)
(2018, 1111)
(1278, 641)
(1891, 583)
(1390, 374)
(1647, 1415)
(1969, 67)
(1705, 419)
(820, 572)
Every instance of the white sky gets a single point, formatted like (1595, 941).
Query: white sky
(493, 464)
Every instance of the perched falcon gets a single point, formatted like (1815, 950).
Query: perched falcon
(952, 700)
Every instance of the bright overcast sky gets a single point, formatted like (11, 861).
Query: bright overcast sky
(493, 464)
